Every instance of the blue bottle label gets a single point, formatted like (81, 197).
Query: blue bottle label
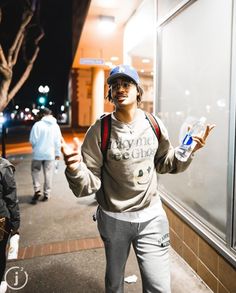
(187, 140)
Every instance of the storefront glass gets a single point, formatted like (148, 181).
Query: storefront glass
(194, 80)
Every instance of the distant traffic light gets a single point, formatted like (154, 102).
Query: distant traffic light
(42, 100)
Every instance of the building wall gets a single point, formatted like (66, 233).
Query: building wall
(83, 95)
(148, 93)
(79, 13)
(212, 268)
(74, 98)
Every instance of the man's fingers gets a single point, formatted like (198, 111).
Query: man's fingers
(72, 159)
(208, 130)
(65, 149)
(77, 143)
(72, 156)
(201, 141)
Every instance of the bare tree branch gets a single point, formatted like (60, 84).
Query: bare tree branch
(8, 61)
(26, 19)
(4, 87)
(41, 35)
(24, 76)
(16, 52)
(3, 60)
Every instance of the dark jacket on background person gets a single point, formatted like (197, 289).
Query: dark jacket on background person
(9, 207)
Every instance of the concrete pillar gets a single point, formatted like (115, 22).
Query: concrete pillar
(97, 106)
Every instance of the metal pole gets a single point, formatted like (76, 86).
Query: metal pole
(3, 141)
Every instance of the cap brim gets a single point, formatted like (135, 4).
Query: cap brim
(117, 75)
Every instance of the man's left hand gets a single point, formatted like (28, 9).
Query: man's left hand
(201, 140)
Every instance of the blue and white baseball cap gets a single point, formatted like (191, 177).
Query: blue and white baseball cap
(123, 71)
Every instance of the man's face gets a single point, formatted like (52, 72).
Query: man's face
(124, 92)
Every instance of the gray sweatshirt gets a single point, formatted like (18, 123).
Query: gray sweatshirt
(127, 181)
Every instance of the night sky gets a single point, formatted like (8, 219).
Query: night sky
(55, 57)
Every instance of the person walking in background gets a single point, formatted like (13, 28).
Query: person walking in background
(123, 176)
(9, 213)
(45, 137)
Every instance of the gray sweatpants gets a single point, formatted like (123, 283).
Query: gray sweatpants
(48, 167)
(150, 241)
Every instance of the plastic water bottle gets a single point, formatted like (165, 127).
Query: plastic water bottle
(14, 247)
(183, 152)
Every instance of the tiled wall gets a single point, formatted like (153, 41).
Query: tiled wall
(214, 270)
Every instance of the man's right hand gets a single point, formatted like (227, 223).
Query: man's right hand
(72, 155)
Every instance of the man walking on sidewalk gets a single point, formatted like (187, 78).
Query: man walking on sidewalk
(119, 162)
(45, 137)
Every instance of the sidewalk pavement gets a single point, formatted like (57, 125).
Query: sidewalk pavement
(60, 248)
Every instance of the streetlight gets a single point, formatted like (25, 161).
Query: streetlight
(43, 94)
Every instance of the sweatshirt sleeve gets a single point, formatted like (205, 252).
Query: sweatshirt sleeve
(165, 160)
(86, 180)
(33, 135)
(10, 196)
(57, 141)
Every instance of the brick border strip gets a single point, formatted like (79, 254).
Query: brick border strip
(59, 247)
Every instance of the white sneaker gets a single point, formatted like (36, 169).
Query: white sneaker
(3, 287)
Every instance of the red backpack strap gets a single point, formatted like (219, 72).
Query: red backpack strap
(154, 124)
(105, 134)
